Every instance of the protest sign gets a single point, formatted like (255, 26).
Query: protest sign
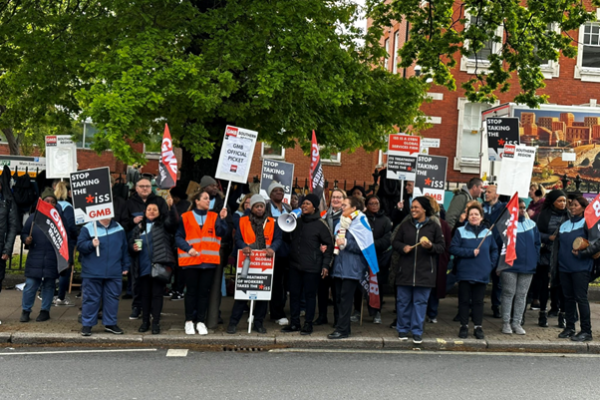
(515, 174)
(278, 171)
(92, 195)
(48, 220)
(431, 177)
(501, 132)
(167, 166)
(402, 150)
(258, 284)
(61, 156)
(236, 154)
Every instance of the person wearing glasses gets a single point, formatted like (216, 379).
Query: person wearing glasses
(136, 207)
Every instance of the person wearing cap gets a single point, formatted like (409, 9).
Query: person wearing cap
(275, 207)
(308, 264)
(257, 232)
(41, 267)
(418, 242)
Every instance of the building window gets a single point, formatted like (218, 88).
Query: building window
(588, 53)
(468, 138)
(334, 158)
(277, 153)
(478, 62)
(387, 54)
(84, 138)
(550, 69)
(395, 57)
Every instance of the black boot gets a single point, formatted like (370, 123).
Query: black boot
(307, 329)
(24, 316)
(543, 319)
(562, 322)
(44, 316)
(155, 328)
(144, 327)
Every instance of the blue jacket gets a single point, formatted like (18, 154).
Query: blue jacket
(41, 259)
(114, 256)
(492, 212)
(350, 263)
(468, 267)
(528, 247)
(568, 232)
(70, 226)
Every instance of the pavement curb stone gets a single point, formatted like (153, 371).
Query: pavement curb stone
(538, 346)
(46, 338)
(229, 340)
(435, 344)
(321, 342)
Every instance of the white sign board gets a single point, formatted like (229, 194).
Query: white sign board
(569, 156)
(402, 156)
(515, 175)
(236, 154)
(61, 156)
(430, 142)
(258, 284)
(21, 164)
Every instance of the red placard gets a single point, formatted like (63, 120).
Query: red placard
(404, 144)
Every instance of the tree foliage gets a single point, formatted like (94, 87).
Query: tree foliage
(440, 34)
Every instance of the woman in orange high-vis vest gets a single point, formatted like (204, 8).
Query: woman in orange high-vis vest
(256, 232)
(198, 241)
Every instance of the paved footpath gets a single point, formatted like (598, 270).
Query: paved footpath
(63, 328)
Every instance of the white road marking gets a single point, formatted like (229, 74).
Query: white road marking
(428, 352)
(25, 353)
(177, 352)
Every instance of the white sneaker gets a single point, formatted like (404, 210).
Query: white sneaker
(64, 302)
(189, 328)
(201, 328)
(54, 299)
(377, 318)
(282, 321)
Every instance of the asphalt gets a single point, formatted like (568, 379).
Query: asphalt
(63, 329)
(151, 374)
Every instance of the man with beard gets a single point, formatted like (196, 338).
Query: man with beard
(257, 232)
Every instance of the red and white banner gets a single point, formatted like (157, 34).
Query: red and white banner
(317, 179)
(507, 226)
(48, 220)
(592, 213)
(167, 168)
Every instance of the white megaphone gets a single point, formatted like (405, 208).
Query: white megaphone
(287, 222)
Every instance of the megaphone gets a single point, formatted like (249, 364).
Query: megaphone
(287, 222)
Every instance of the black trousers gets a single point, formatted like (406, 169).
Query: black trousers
(542, 280)
(259, 312)
(575, 290)
(470, 296)
(309, 283)
(178, 280)
(135, 289)
(198, 282)
(344, 290)
(151, 295)
(279, 294)
(323, 297)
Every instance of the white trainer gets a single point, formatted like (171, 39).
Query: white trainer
(189, 328)
(283, 321)
(64, 302)
(201, 328)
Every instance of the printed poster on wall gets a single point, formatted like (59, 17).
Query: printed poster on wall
(236, 154)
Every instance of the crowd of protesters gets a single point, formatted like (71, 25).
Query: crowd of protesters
(418, 246)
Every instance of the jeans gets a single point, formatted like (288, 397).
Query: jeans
(31, 287)
(198, 282)
(575, 290)
(514, 287)
(411, 307)
(307, 282)
(95, 291)
(344, 290)
(433, 304)
(151, 291)
(470, 295)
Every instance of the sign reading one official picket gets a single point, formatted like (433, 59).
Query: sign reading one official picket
(61, 156)
(431, 177)
(401, 149)
(515, 173)
(92, 195)
(236, 154)
(258, 284)
(501, 132)
(278, 171)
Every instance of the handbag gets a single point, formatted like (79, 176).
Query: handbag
(161, 272)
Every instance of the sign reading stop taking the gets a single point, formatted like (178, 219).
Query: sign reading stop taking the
(92, 195)
(431, 177)
(501, 132)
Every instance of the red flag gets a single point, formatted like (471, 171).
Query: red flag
(507, 226)
(167, 168)
(48, 220)
(592, 213)
(317, 179)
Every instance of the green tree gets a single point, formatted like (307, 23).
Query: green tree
(439, 35)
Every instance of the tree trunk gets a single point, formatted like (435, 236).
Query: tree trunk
(13, 143)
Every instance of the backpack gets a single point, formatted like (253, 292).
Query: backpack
(24, 192)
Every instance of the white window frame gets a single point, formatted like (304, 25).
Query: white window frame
(586, 74)
(466, 165)
(552, 68)
(387, 54)
(395, 57)
(334, 159)
(480, 66)
(271, 156)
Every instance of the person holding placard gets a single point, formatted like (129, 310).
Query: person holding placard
(102, 279)
(257, 232)
(61, 191)
(198, 241)
(476, 254)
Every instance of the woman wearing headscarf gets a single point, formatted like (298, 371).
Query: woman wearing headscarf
(419, 242)
(573, 268)
(516, 279)
(476, 253)
(554, 213)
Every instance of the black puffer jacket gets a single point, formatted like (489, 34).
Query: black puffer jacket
(305, 254)
(41, 259)
(419, 266)
(9, 228)
(382, 231)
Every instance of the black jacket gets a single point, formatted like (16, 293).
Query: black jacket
(419, 266)
(219, 202)
(41, 259)
(136, 206)
(121, 211)
(10, 225)
(382, 231)
(305, 254)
